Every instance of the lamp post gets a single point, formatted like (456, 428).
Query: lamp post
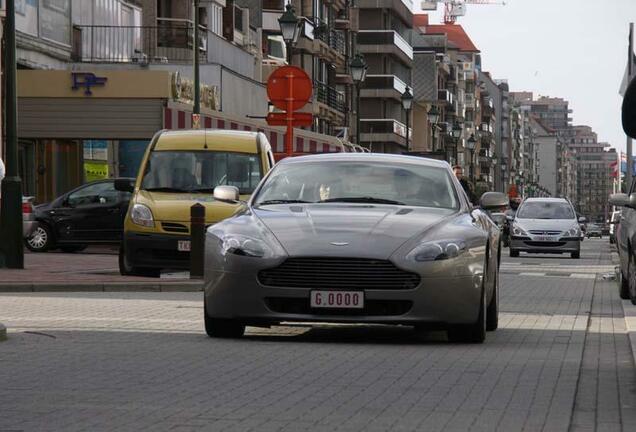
(457, 134)
(407, 104)
(358, 70)
(470, 145)
(11, 247)
(494, 170)
(290, 29)
(433, 118)
(196, 108)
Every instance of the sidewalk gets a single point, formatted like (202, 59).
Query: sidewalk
(95, 269)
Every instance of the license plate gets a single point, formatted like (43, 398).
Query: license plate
(183, 245)
(337, 299)
(546, 238)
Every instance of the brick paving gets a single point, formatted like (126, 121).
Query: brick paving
(140, 361)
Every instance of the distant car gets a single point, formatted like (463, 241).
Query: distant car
(358, 238)
(90, 214)
(614, 221)
(594, 230)
(546, 225)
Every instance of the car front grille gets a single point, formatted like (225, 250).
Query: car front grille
(339, 274)
(545, 243)
(175, 227)
(371, 307)
(547, 233)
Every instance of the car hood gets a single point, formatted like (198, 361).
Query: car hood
(175, 207)
(547, 224)
(371, 231)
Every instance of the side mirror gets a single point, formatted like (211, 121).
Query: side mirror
(125, 185)
(493, 200)
(226, 193)
(582, 220)
(629, 110)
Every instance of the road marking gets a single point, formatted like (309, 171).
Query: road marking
(531, 274)
(583, 276)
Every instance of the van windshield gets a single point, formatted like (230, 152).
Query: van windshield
(189, 171)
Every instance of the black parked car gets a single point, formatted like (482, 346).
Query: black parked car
(90, 214)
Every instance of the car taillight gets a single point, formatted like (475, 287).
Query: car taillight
(27, 207)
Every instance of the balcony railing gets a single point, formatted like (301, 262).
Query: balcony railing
(384, 82)
(377, 126)
(329, 96)
(385, 37)
(333, 38)
(167, 41)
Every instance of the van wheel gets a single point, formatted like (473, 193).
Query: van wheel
(126, 269)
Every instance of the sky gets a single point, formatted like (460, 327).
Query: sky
(574, 49)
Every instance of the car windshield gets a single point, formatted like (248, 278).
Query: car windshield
(545, 210)
(359, 182)
(201, 171)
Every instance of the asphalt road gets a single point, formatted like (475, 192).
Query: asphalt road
(561, 361)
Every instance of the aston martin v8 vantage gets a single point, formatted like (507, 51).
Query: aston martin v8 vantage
(356, 238)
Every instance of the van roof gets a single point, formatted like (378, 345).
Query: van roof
(215, 139)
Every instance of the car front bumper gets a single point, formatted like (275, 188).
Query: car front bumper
(150, 250)
(530, 245)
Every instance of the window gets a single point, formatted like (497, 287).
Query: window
(95, 194)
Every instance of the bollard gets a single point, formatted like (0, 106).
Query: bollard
(197, 241)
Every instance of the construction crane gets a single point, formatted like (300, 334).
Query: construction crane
(456, 8)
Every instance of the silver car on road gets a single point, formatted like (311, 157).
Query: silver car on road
(545, 225)
(363, 238)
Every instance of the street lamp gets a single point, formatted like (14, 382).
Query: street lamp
(407, 103)
(433, 118)
(457, 134)
(470, 145)
(290, 28)
(358, 70)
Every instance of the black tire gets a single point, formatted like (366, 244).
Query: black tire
(41, 240)
(514, 253)
(471, 333)
(222, 328)
(126, 269)
(631, 281)
(492, 312)
(623, 286)
(575, 255)
(73, 249)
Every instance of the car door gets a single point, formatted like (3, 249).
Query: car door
(92, 213)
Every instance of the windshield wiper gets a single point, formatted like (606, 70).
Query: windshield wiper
(165, 189)
(365, 199)
(282, 201)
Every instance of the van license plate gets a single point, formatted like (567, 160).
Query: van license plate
(183, 245)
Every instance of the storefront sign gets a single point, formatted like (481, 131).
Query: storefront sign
(87, 80)
(183, 91)
(95, 170)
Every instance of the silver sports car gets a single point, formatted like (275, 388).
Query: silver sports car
(365, 238)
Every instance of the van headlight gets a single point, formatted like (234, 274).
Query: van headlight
(141, 215)
(437, 250)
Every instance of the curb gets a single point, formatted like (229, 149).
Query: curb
(3, 333)
(629, 311)
(176, 286)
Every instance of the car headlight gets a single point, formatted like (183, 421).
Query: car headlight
(141, 215)
(572, 232)
(437, 250)
(518, 231)
(238, 244)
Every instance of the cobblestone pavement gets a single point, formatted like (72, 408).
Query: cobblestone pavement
(560, 361)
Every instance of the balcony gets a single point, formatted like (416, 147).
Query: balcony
(328, 44)
(170, 41)
(383, 130)
(383, 86)
(385, 42)
(330, 103)
(402, 8)
(446, 97)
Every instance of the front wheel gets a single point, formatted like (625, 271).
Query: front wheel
(514, 253)
(471, 333)
(222, 328)
(575, 255)
(41, 240)
(632, 277)
(127, 269)
(623, 286)
(492, 313)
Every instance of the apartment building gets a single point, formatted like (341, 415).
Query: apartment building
(494, 108)
(384, 40)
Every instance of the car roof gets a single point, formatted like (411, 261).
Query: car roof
(368, 157)
(208, 139)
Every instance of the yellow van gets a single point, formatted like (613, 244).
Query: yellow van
(179, 169)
